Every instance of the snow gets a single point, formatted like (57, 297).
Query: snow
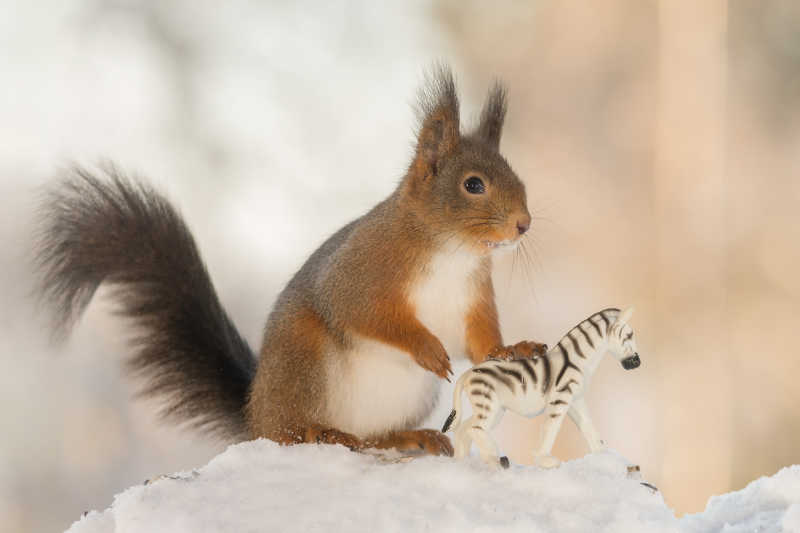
(260, 486)
(765, 505)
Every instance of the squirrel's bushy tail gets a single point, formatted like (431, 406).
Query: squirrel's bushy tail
(113, 230)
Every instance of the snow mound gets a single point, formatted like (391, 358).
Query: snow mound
(768, 504)
(260, 486)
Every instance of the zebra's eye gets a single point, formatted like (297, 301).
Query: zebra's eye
(474, 185)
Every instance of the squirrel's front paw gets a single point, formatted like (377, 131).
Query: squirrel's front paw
(530, 349)
(502, 352)
(432, 356)
(524, 349)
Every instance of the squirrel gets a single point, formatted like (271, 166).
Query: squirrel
(357, 343)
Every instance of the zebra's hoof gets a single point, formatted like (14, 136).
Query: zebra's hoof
(504, 461)
(546, 461)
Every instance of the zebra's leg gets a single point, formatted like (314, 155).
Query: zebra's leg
(487, 447)
(461, 439)
(580, 415)
(478, 427)
(552, 424)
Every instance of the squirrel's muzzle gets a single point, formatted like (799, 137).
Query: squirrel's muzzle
(629, 363)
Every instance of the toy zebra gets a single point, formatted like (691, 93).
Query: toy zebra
(553, 383)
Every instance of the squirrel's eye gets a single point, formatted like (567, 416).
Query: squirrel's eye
(474, 185)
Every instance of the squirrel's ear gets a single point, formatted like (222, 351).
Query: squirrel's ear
(490, 126)
(438, 134)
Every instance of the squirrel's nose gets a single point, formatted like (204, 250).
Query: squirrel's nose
(523, 224)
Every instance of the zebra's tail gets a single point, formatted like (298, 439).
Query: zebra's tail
(454, 419)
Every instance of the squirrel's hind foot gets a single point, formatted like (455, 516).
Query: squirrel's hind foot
(320, 435)
(419, 441)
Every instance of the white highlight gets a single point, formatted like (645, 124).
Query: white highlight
(377, 387)
(443, 295)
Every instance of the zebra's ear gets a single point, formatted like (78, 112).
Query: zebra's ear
(625, 315)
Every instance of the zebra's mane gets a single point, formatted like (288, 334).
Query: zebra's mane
(613, 313)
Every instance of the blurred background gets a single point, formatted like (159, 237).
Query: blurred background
(660, 146)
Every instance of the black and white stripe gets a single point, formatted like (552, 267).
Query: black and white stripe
(548, 383)
(566, 361)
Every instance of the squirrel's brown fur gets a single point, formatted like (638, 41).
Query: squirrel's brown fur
(352, 330)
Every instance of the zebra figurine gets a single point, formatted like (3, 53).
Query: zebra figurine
(554, 384)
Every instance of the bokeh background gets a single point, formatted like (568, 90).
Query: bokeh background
(660, 145)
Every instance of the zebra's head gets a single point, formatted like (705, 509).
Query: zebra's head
(621, 342)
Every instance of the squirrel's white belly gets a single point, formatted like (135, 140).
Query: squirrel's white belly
(443, 295)
(376, 387)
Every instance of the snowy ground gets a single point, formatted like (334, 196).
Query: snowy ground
(259, 486)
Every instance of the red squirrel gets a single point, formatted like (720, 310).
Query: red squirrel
(357, 343)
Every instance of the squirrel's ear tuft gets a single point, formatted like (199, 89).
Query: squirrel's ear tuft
(438, 134)
(490, 126)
